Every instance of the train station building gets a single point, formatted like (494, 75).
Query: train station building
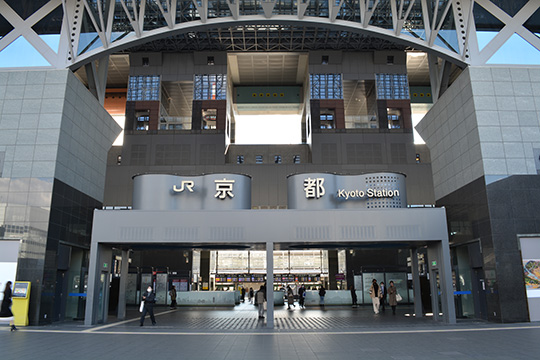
(278, 143)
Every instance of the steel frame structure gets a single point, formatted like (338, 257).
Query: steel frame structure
(91, 30)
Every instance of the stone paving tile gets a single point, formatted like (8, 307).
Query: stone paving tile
(231, 334)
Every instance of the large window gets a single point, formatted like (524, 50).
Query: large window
(326, 86)
(232, 262)
(210, 87)
(142, 120)
(392, 86)
(285, 262)
(143, 88)
(209, 119)
(327, 118)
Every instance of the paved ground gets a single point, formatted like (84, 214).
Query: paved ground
(314, 334)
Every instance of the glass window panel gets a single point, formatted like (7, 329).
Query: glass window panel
(326, 86)
(141, 88)
(392, 86)
(232, 261)
(210, 87)
(281, 261)
(257, 261)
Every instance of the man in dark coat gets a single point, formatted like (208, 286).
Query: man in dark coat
(149, 298)
(353, 296)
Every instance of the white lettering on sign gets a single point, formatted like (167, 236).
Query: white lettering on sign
(370, 193)
(186, 184)
(350, 194)
(314, 188)
(224, 188)
(382, 193)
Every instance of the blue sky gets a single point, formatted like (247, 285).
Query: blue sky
(516, 51)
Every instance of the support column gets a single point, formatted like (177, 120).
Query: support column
(93, 284)
(333, 269)
(100, 265)
(270, 284)
(447, 286)
(418, 308)
(433, 260)
(205, 269)
(434, 295)
(97, 77)
(121, 315)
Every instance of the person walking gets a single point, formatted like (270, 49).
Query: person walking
(382, 294)
(290, 298)
(374, 294)
(353, 296)
(243, 294)
(250, 295)
(149, 298)
(392, 297)
(322, 293)
(5, 309)
(172, 293)
(260, 298)
(302, 297)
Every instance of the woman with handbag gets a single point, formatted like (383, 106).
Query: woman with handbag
(392, 297)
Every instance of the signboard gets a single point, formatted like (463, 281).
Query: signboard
(330, 191)
(205, 192)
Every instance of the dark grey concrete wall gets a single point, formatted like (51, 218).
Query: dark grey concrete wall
(343, 153)
(495, 214)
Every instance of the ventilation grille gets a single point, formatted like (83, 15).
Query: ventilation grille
(313, 233)
(403, 232)
(226, 233)
(136, 233)
(175, 233)
(383, 182)
(357, 232)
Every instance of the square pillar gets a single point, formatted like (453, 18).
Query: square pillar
(121, 315)
(439, 264)
(418, 308)
(270, 284)
(98, 284)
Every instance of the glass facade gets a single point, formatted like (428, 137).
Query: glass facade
(210, 87)
(141, 88)
(285, 262)
(326, 86)
(392, 86)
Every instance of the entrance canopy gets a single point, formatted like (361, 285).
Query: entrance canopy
(268, 229)
(250, 227)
